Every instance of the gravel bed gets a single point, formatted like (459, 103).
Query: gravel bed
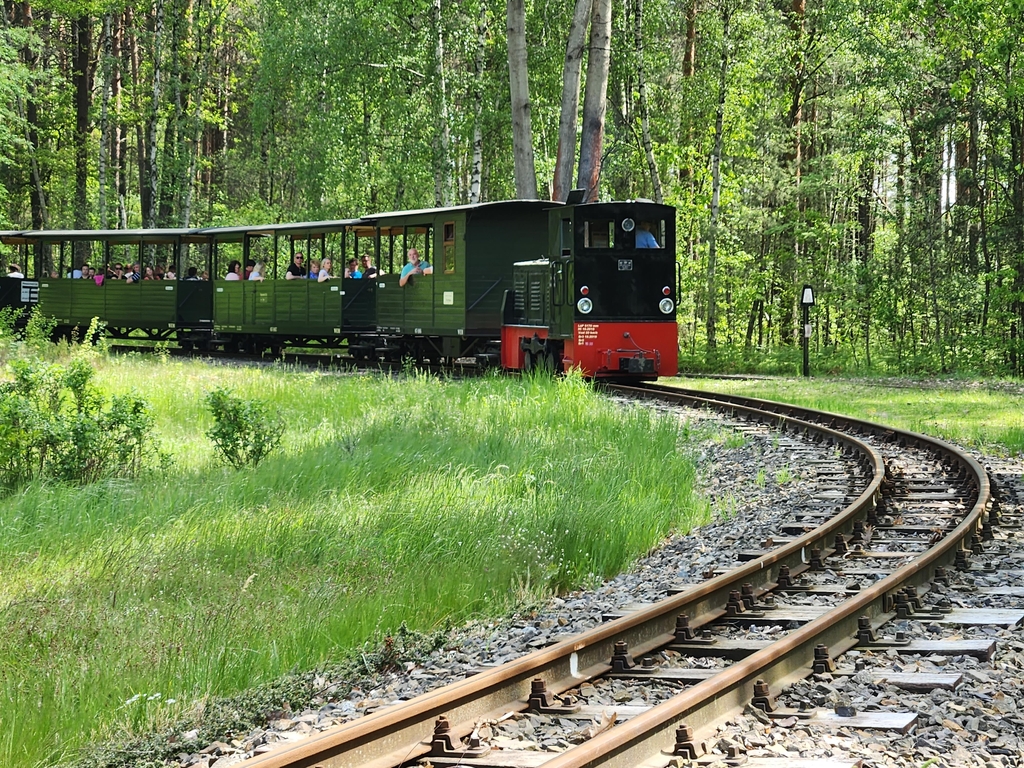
(979, 724)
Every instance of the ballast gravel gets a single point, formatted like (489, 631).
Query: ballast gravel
(755, 485)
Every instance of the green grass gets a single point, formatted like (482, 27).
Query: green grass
(987, 416)
(412, 500)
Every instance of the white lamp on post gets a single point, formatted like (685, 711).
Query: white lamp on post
(807, 301)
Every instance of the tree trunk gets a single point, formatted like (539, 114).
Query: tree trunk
(81, 30)
(141, 150)
(566, 155)
(106, 69)
(203, 38)
(169, 166)
(476, 172)
(443, 166)
(645, 120)
(21, 15)
(716, 182)
(690, 51)
(595, 99)
(119, 147)
(154, 115)
(522, 131)
(1015, 118)
(863, 236)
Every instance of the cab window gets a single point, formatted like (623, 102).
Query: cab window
(566, 237)
(599, 234)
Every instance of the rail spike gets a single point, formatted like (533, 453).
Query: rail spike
(763, 698)
(622, 659)
(686, 745)
(544, 701)
(444, 744)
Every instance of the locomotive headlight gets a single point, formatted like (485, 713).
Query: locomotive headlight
(666, 306)
(584, 305)
(628, 225)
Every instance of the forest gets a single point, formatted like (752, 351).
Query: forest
(873, 149)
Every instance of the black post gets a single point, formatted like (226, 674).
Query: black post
(807, 339)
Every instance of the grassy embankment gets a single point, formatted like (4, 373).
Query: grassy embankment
(413, 500)
(987, 416)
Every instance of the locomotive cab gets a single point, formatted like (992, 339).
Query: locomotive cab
(604, 301)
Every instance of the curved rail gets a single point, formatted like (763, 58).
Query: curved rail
(400, 733)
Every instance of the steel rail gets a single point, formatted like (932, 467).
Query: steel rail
(401, 732)
(707, 703)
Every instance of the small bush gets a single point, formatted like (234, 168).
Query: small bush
(39, 329)
(54, 423)
(244, 431)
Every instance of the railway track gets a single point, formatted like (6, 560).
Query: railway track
(902, 515)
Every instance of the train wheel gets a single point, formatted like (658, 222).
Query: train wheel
(528, 361)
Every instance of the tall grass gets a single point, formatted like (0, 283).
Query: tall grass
(411, 500)
(985, 415)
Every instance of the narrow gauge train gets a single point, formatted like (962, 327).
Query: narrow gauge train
(522, 283)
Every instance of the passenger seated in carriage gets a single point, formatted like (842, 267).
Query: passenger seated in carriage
(416, 266)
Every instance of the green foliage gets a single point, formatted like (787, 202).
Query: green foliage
(836, 126)
(127, 604)
(244, 431)
(38, 334)
(55, 424)
(8, 329)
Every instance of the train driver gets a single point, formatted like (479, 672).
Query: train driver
(14, 271)
(415, 267)
(644, 238)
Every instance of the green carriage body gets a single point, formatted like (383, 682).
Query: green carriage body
(297, 312)
(472, 249)
(297, 309)
(158, 308)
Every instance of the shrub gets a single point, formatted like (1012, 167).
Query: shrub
(244, 431)
(39, 329)
(54, 423)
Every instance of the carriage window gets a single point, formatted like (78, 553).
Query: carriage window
(599, 234)
(419, 238)
(449, 246)
(391, 249)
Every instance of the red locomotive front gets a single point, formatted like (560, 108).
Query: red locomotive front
(603, 301)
